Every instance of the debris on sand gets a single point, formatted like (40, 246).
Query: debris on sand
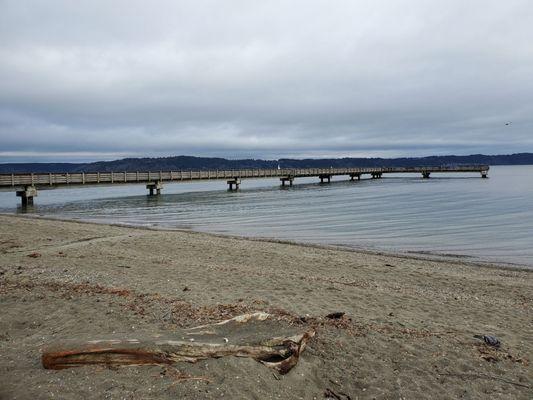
(331, 395)
(253, 333)
(335, 315)
(489, 340)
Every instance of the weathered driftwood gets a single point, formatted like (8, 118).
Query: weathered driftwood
(257, 336)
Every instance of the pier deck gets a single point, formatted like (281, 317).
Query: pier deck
(26, 184)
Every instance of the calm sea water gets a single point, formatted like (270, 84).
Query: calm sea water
(453, 215)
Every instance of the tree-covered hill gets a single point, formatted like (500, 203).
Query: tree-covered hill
(178, 163)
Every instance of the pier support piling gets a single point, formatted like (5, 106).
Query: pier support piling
(484, 174)
(234, 182)
(154, 188)
(325, 177)
(425, 174)
(286, 179)
(376, 175)
(27, 195)
(353, 176)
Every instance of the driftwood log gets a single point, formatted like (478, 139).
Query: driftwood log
(256, 335)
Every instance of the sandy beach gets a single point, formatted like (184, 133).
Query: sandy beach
(407, 333)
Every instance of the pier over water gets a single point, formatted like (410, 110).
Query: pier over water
(26, 184)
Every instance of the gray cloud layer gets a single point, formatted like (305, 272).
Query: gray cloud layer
(105, 79)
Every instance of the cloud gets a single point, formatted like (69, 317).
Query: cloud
(264, 79)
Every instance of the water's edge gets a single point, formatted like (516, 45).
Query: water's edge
(453, 259)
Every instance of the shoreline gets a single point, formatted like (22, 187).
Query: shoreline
(406, 331)
(407, 254)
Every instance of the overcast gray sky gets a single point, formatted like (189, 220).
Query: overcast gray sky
(108, 79)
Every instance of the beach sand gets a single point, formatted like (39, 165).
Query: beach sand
(407, 333)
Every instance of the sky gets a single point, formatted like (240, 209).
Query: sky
(104, 79)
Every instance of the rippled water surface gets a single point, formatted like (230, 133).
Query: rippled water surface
(485, 219)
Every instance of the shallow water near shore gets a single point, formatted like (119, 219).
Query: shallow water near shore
(461, 215)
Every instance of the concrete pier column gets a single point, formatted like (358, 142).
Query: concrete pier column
(484, 174)
(425, 174)
(324, 177)
(285, 179)
(154, 188)
(353, 176)
(27, 195)
(234, 182)
(376, 175)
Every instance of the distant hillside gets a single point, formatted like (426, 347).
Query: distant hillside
(175, 164)
(511, 159)
(203, 163)
(38, 167)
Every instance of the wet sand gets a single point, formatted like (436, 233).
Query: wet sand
(407, 333)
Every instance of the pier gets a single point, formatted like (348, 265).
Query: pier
(26, 184)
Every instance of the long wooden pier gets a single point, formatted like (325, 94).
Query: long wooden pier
(26, 184)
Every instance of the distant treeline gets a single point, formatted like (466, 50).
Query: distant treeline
(185, 163)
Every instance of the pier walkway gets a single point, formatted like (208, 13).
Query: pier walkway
(26, 184)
